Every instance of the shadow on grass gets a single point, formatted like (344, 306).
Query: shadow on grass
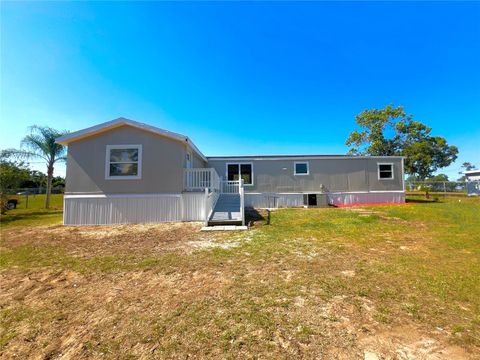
(30, 216)
(422, 201)
(255, 216)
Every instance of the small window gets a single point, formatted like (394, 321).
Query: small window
(123, 162)
(301, 168)
(385, 171)
(240, 171)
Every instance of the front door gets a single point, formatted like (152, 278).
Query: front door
(312, 199)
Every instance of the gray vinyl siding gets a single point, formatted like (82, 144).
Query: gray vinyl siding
(335, 174)
(198, 162)
(162, 164)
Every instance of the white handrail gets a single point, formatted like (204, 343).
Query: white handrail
(242, 201)
(230, 186)
(197, 179)
(211, 199)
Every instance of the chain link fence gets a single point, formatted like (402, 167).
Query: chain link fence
(26, 198)
(459, 188)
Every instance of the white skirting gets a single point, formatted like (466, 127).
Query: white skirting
(345, 199)
(273, 200)
(279, 200)
(131, 209)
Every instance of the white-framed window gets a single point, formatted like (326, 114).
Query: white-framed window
(301, 168)
(123, 162)
(385, 171)
(236, 171)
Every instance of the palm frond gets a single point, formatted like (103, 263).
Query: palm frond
(41, 143)
(63, 158)
(19, 154)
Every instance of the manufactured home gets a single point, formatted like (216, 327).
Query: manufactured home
(472, 178)
(123, 171)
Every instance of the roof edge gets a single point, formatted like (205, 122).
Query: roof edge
(112, 124)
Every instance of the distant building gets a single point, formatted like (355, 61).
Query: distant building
(473, 182)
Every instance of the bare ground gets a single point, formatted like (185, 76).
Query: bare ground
(190, 305)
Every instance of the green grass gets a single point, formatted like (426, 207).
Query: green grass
(38, 202)
(388, 266)
(34, 213)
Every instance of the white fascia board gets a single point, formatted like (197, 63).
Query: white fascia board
(298, 158)
(93, 130)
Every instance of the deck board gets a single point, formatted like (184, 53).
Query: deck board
(227, 209)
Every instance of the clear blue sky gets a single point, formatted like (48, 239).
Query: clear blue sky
(242, 78)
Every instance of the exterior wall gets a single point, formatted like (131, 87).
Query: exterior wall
(198, 162)
(133, 208)
(335, 174)
(162, 164)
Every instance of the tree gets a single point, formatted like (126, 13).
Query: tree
(12, 174)
(376, 123)
(466, 166)
(37, 179)
(40, 143)
(391, 131)
(428, 155)
(439, 177)
(58, 182)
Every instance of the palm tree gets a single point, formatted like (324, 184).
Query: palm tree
(40, 143)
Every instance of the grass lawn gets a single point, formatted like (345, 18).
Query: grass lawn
(32, 212)
(401, 282)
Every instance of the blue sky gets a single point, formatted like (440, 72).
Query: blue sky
(242, 78)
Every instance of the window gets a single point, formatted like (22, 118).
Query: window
(301, 168)
(385, 171)
(240, 171)
(123, 162)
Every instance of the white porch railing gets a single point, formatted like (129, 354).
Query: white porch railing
(229, 187)
(201, 178)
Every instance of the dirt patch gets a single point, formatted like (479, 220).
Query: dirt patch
(138, 239)
(407, 343)
(365, 212)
